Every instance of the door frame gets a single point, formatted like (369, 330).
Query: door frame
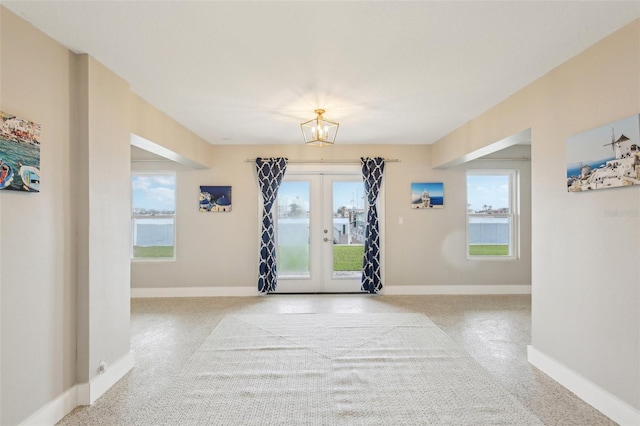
(332, 169)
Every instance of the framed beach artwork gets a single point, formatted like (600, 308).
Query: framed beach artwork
(605, 157)
(427, 195)
(19, 154)
(215, 199)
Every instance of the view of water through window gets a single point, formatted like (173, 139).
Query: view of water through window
(153, 216)
(489, 213)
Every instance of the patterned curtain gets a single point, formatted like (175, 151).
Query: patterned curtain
(270, 174)
(372, 171)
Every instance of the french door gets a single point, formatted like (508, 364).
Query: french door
(320, 228)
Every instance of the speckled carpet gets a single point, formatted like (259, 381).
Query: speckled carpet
(333, 369)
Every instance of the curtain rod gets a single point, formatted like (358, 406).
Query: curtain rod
(386, 160)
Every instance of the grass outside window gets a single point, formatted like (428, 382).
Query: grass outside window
(153, 252)
(489, 250)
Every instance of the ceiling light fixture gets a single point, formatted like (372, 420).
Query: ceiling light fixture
(319, 131)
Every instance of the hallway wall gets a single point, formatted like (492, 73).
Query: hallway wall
(65, 260)
(585, 269)
(38, 248)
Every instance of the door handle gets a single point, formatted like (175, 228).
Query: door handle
(326, 239)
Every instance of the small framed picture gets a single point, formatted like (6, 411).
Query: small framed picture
(215, 199)
(19, 154)
(427, 195)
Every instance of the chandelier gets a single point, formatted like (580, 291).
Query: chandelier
(319, 131)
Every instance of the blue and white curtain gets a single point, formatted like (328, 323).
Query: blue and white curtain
(270, 174)
(372, 171)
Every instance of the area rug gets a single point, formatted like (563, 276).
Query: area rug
(333, 369)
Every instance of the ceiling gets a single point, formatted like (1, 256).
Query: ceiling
(389, 71)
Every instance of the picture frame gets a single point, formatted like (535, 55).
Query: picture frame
(215, 199)
(605, 157)
(19, 154)
(427, 195)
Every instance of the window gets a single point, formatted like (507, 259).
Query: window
(153, 216)
(492, 225)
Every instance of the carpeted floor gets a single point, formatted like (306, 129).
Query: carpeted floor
(333, 369)
(168, 335)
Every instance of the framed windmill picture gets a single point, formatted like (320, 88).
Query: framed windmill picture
(605, 157)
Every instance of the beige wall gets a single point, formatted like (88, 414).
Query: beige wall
(103, 204)
(427, 250)
(65, 282)
(163, 136)
(37, 244)
(586, 297)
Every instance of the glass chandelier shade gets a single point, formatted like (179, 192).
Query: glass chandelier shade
(319, 131)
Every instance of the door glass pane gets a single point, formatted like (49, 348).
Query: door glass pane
(349, 216)
(293, 229)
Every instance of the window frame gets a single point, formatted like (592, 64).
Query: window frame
(157, 216)
(513, 215)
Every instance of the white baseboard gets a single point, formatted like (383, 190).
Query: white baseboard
(80, 394)
(55, 410)
(137, 292)
(88, 393)
(397, 290)
(609, 405)
(401, 290)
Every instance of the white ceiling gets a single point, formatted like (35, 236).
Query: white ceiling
(388, 71)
